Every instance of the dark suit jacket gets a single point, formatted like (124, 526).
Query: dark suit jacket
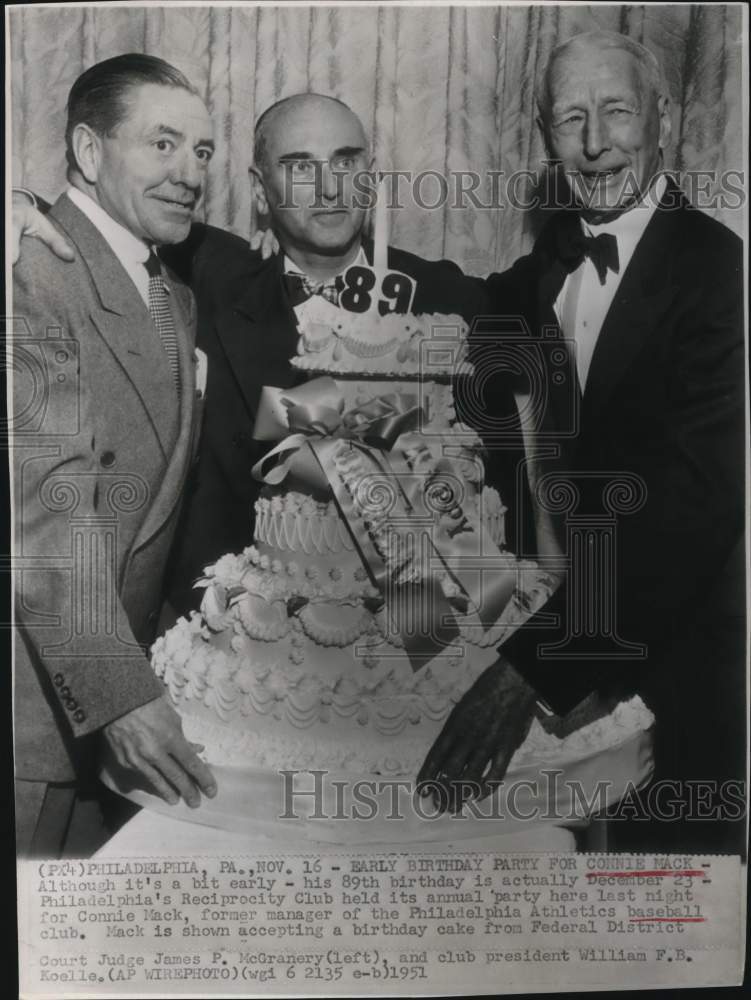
(248, 330)
(664, 402)
(101, 450)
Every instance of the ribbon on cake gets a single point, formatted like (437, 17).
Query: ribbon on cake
(401, 503)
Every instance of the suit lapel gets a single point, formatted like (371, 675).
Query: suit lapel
(564, 395)
(645, 291)
(123, 321)
(170, 490)
(258, 331)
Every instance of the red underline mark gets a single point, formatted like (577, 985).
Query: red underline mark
(667, 920)
(656, 873)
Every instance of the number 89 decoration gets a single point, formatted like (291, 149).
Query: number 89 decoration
(365, 291)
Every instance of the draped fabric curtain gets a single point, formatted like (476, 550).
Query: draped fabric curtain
(444, 91)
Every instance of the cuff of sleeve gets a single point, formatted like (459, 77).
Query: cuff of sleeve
(560, 684)
(97, 696)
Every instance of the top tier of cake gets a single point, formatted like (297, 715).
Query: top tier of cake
(407, 346)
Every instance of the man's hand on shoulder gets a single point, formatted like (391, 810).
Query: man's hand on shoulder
(265, 241)
(29, 221)
(150, 741)
(481, 735)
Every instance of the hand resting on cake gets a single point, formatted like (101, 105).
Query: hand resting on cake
(150, 741)
(480, 736)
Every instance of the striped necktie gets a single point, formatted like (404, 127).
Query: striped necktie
(161, 314)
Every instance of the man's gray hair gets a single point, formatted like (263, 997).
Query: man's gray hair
(647, 60)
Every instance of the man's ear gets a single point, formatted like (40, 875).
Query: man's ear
(87, 150)
(666, 121)
(259, 190)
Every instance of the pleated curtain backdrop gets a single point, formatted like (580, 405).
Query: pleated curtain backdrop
(442, 89)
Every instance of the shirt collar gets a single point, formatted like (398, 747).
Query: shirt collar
(631, 224)
(129, 249)
(360, 261)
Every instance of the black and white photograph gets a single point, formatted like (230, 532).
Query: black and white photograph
(378, 447)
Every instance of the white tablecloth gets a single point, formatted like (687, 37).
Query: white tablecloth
(252, 812)
(151, 834)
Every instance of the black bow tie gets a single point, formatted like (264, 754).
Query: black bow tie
(602, 250)
(300, 288)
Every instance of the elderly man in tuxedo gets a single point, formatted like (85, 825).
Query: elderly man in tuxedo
(648, 294)
(104, 428)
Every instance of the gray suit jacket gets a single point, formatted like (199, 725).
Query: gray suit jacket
(101, 449)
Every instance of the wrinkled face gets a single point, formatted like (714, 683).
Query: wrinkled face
(150, 174)
(606, 125)
(315, 149)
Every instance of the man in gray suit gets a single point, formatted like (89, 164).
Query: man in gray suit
(105, 421)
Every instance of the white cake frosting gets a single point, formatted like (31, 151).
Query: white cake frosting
(294, 661)
(336, 341)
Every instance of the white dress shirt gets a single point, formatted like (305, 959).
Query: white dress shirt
(129, 249)
(583, 302)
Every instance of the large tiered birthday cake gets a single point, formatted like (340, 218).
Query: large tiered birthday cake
(306, 655)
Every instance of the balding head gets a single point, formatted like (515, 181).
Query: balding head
(311, 168)
(278, 116)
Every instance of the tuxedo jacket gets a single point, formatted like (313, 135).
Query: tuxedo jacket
(664, 405)
(248, 330)
(101, 450)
